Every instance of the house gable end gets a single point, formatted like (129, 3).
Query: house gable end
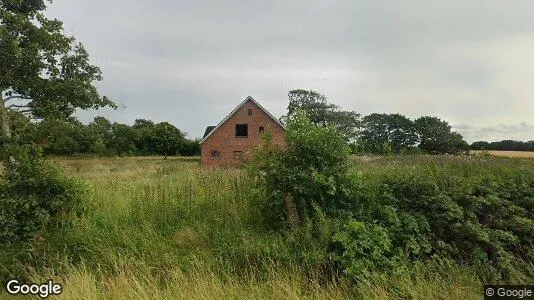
(231, 114)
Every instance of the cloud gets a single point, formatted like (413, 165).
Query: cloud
(522, 131)
(192, 62)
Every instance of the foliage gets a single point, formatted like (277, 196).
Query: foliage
(34, 195)
(505, 145)
(170, 229)
(310, 171)
(436, 136)
(166, 139)
(102, 137)
(398, 218)
(378, 133)
(394, 130)
(322, 113)
(43, 72)
(464, 213)
(23, 132)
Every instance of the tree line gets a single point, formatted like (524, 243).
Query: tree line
(505, 145)
(379, 133)
(102, 137)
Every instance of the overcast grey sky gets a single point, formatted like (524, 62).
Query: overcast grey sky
(469, 62)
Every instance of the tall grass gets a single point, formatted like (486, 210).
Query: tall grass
(162, 229)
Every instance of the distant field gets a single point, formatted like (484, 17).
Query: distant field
(520, 154)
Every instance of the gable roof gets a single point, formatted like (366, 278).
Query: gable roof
(249, 98)
(208, 130)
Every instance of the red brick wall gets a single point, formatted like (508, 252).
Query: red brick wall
(226, 142)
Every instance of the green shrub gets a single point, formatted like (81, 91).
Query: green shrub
(34, 195)
(311, 171)
(482, 219)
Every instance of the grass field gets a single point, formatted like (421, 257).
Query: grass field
(164, 229)
(518, 154)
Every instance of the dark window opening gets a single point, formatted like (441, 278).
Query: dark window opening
(215, 153)
(250, 111)
(241, 130)
(238, 154)
(262, 129)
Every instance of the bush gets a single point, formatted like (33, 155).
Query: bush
(34, 195)
(312, 171)
(484, 220)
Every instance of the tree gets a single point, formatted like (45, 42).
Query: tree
(191, 147)
(123, 141)
(436, 136)
(322, 113)
(58, 136)
(43, 73)
(480, 145)
(24, 130)
(387, 133)
(374, 132)
(505, 145)
(103, 130)
(167, 139)
(144, 130)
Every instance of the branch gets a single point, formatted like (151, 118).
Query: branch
(25, 111)
(16, 97)
(17, 106)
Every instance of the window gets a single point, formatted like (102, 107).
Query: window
(261, 129)
(238, 154)
(241, 130)
(215, 153)
(250, 111)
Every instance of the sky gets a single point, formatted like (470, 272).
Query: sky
(190, 63)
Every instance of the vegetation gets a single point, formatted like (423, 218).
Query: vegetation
(306, 221)
(379, 133)
(306, 179)
(34, 196)
(505, 145)
(43, 73)
(156, 228)
(388, 134)
(102, 137)
(322, 113)
(411, 217)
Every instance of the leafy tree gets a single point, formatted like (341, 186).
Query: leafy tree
(166, 139)
(43, 73)
(403, 134)
(480, 145)
(190, 147)
(144, 130)
(322, 113)
(24, 130)
(123, 141)
(103, 130)
(65, 137)
(374, 132)
(436, 136)
(391, 132)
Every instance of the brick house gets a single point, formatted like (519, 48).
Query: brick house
(231, 141)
